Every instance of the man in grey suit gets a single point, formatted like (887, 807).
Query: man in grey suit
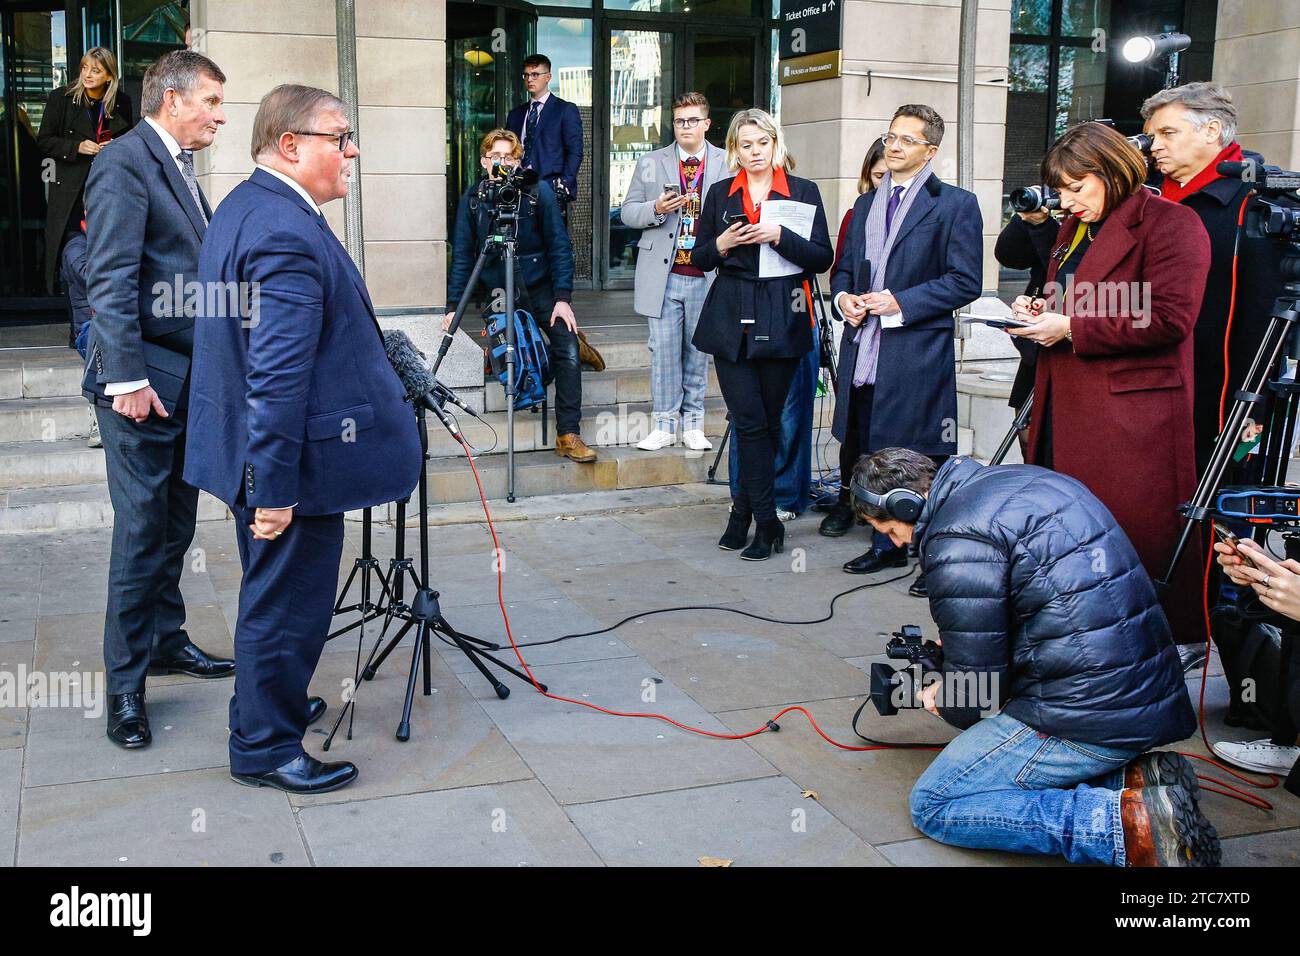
(145, 221)
(664, 200)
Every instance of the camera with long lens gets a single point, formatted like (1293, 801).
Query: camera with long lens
(505, 186)
(1034, 198)
(889, 685)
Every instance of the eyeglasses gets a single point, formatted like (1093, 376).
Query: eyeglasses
(537, 76)
(689, 122)
(344, 138)
(889, 139)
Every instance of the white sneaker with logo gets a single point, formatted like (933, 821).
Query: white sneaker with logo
(657, 439)
(1260, 756)
(696, 441)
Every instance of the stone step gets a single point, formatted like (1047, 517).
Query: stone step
(39, 464)
(73, 508)
(40, 373)
(43, 419)
(610, 387)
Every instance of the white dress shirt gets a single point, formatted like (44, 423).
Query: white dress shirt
(292, 185)
(523, 133)
(892, 320)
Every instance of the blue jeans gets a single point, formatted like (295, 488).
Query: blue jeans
(793, 467)
(1001, 785)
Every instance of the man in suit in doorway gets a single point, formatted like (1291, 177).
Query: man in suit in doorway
(550, 130)
(914, 254)
(145, 220)
(669, 290)
(301, 419)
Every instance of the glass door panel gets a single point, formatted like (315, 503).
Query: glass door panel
(722, 68)
(641, 76)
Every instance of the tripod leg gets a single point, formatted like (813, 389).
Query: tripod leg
(421, 640)
(717, 459)
(444, 628)
(428, 677)
(510, 670)
(369, 672)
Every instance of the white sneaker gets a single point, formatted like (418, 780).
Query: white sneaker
(657, 439)
(1258, 755)
(94, 441)
(695, 440)
(784, 515)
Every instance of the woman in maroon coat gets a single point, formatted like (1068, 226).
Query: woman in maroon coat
(1113, 391)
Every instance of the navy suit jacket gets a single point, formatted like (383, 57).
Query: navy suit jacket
(935, 267)
(143, 233)
(295, 403)
(559, 140)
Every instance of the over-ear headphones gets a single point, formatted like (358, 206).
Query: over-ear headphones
(901, 504)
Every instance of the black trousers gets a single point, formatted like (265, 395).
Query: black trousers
(153, 525)
(857, 439)
(755, 391)
(286, 602)
(540, 300)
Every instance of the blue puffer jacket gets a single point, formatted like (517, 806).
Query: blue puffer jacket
(1030, 579)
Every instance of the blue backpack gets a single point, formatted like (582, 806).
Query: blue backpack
(532, 360)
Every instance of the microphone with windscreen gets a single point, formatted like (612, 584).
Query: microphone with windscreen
(420, 385)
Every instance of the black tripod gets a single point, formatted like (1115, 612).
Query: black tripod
(423, 613)
(825, 362)
(1019, 424)
(503, 240)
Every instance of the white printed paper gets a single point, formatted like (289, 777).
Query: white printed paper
(795, 216)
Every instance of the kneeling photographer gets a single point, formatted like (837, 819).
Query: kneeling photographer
(1038, 594)
(544, 281)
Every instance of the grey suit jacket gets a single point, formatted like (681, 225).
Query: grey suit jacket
(655, 247)
(144, 233)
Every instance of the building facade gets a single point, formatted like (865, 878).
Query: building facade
(434, 75)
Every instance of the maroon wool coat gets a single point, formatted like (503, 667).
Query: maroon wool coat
(1121, 397)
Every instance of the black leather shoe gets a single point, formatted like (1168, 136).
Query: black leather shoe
(315, 709)
(877, 560)
(193, 661)
(918, 587)
(737, 533)
(1191, 656)
(838, 521)
(768, 537)
(128, 722)
(303, 774)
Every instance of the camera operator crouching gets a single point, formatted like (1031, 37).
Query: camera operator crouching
(543, 282)
(1037, 592)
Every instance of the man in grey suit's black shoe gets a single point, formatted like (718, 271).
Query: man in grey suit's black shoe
(145, 221)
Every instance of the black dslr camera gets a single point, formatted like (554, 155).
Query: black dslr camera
(505, 186)
(888, 684)
(1033, 198)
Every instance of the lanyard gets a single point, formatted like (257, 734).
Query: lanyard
(1080, 231)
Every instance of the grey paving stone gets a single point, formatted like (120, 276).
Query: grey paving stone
(586, 541)
(509, 824)
(189, 732)
(926, 852)
(729, 662)
(867, 790)
(76, 641)
(20, 592)
(581, 755)
(465, 580)
(764, 822)
(17, 631)
(1280, 848)
(804, 549)
(534, 621)
(453, 743)
(195, 818)
(11, 778)
(15, 661)
(613, 592)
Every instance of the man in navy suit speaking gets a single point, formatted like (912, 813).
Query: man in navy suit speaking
(296, 417)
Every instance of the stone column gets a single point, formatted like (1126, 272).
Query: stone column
(1257, 57)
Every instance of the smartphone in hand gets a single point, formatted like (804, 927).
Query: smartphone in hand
(1230, 539)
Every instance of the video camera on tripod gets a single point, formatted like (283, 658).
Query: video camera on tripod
(890, 685)
(1034, 198)
(505, 187)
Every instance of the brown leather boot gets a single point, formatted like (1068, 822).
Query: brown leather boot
(1161, 768)
(572, 446)
(587, 355)
(1164, 826)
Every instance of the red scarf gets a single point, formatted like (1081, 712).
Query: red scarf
(1171, 190)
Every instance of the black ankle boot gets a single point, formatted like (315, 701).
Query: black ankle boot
(769, 536)
(737, 533)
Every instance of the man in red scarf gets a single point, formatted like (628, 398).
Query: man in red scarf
(1193, 129)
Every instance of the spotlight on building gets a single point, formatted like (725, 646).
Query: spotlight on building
(1145, 49)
